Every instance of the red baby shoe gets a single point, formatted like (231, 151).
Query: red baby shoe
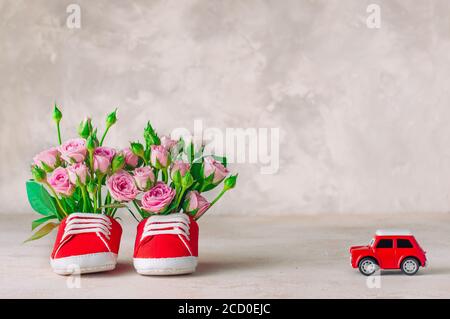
(86, 243)
(166, 245)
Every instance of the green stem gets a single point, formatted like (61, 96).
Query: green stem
(107, 202)
(91, 163)
(99, 191)
(104, 135)
(183, 190)
(85, 203)
(165, 176)
(94, 200)
(218, 197)
(111, 210)
(57, 199)
(59, 133)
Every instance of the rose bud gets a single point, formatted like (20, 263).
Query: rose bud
(179, 166)
(176, 178)
(159, 156)
(230, 182)
(158, 198)
(48, 159)
(102, 159)
(137, 149)
(122, 187)
(118, 163)
(130, 158)
(39, 174)
(77, 173)
(196, 204)
(60, 182)
(213, 167)
(73, 150)
(144, 177)
(85, 128)
(91, 187)
(90, 143)
(167, 142)
(111, 119)
(57, 115)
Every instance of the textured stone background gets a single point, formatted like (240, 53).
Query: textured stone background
(363, 113)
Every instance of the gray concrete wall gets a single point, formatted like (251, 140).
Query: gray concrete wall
(363, 113)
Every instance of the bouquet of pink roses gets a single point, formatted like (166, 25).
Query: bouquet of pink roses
(160, 177)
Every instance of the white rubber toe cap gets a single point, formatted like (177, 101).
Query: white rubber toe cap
(165, 266)
(83, 264)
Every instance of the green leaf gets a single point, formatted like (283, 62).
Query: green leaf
(208, 187)
(40, 221)
(65, 205)
(79, 206)
(196, 171)
(77, 194)
(44, 230)
(40, 200)
(208, 184)
(70, 205)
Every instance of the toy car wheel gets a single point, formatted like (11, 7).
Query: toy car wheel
(368, 266)
(410, 266)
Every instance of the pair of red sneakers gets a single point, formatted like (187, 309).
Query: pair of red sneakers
(165, 244)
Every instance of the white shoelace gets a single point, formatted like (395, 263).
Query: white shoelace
(82, 223)
(173, 224)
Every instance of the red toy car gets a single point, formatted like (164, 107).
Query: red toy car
(389, 249)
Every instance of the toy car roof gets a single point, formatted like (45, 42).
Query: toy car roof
(393, 232)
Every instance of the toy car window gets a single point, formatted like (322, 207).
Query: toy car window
(404, 243)
(385, 243)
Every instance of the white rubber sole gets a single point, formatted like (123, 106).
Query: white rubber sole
(165, 266)
(84, 264)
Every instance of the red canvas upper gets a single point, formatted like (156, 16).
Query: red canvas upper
(182, 244)
(99, 233)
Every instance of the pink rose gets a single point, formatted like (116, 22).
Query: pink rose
(144, 177)
(77, 170)
(130, 159)
(167, 142)
(158, 198)
(73, 150)
(121, 186)
(60, 182)
(180, 166)
(102, 158)
(159, 154)
(49, 157)
(211, 166)
(197, 204)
